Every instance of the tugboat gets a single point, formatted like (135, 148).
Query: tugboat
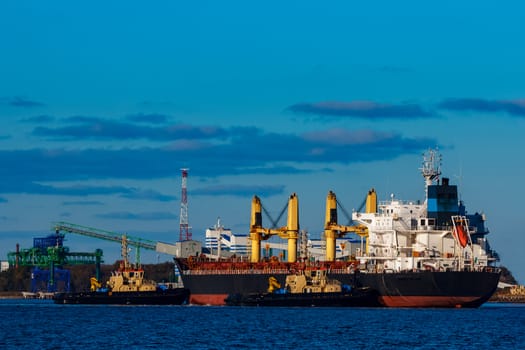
(126, 286)
(307, 288)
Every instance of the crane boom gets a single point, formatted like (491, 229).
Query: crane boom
(102, 234)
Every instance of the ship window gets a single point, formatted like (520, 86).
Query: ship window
(422, 222)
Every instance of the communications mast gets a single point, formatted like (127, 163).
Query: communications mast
(431, 169)
(185, 229)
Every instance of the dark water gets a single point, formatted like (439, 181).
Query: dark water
(36, 324)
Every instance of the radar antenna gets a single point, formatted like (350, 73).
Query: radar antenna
(431, 169)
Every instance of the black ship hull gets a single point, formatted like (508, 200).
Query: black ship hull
(433, 289)
(177, 296)
(361, 297)
(394, 289)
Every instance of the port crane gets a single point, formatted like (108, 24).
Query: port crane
(136, 242)
(47, 258)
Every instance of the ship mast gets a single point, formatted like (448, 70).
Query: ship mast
(219, 237)
(124, 252)
(431, 169)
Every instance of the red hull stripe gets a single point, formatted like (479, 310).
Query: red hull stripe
(208, 299)
(422, 301)
(389, 301)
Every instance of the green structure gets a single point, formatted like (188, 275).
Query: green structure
(50, 253)
(138, 243)
(58, 256)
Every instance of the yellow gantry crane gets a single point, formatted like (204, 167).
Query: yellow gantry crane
(290, 232)
(332, 230)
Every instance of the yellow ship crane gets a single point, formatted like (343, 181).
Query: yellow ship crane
(273, 284)
(332, 230)
(95, 284)
(290, 232)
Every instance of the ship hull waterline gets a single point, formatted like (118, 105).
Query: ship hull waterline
(178, 296)
(403, 289)
(362, 297)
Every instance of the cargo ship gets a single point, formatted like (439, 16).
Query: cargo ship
(412, 253)
(308, 288)
(126, 286)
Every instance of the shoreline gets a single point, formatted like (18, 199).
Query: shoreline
(20, 295)
(11, 295)
(508, 299)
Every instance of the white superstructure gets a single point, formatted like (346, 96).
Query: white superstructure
(229, 242)
(408, 235)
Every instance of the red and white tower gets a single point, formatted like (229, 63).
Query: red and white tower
(185, 229)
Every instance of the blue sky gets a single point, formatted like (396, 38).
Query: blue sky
(102, 103)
